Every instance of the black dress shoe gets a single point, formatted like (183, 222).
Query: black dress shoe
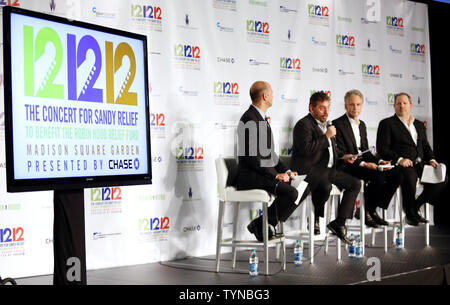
(378, 220)
(317, 226)
(339, 231)
(357, 213)
(255, 227)
(419, 217)
(411, 218)
(370, 222)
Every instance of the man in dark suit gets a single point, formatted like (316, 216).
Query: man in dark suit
(259, 166)
(403, 140)
(356, 160)
(315, 154)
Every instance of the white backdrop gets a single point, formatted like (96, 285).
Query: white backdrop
(298, 46)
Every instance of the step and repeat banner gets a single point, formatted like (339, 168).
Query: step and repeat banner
(203, 58)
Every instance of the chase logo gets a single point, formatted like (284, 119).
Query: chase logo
(124, 164)
(35, 46)
(10, 3)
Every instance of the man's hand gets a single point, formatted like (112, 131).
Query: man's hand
(349, 158)
(283, 177)
(405, 162)
(331, 132)
(382, 162)
(292, 173)
(370, 165)
(433, 163)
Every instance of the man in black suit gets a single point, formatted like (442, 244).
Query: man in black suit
(403, 140)
(356, 160)
(259, 166)
(315, 154)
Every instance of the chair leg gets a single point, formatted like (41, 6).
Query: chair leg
(338, 240)
(311, 233)
(219, 233)
(427, 225)
(329, 207)
(265, 237)
(362, 224)
(385, 231)
(278, 245)
(235, 228)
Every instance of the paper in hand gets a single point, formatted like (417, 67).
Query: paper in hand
(433, 175)
(300, 184)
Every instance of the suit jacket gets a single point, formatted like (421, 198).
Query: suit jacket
(395, 141)
(346, 142)
(255, 159)
(310, 146)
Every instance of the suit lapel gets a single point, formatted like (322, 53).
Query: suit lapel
(349, 128)
(403, 128)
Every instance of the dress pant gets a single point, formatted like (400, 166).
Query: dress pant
(379, 186)
(320, 183)
(283, 205)
(430, 194)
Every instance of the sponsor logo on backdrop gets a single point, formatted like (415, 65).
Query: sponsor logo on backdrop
(10, 2)
(318, 43)
(258, 31)
(154, 229)
(419, 102)
(194, 228)
(52, 5)
(190, 158)
(226, 93)
(106, 200)
(288, 38)
(369, 46)
(285, 9)
(9, 206)
(226, 60)
(327, 92)
(229, 5)
(101, 14)
(223, 28)
(391, 98)
(320, 70)
(286, 151)
(152, 197)
(394, 25)
(415, 29)
(290, 68)
(100, 235)
(148, 17)
(370, 101)
(187, 23)
(12, 241)
(257, 3)
(318, 14)
(370, 73)
(255, 213)
(416, 77)
(2, 165)
(394, 50)
(226, 125)
(158, 125)
(289, 100)
(345, 44)
(342, 72)
(186, 92)
(255, 62)
(417, 51)
(396, 75)
(344, 19)
(187, 57)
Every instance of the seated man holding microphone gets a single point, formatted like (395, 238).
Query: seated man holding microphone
(356, 159)
(403, 140)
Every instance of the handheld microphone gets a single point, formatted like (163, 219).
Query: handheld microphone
(418, 160)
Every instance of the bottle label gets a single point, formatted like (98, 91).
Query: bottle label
(399, 242)
(253, 268)
(298, 258)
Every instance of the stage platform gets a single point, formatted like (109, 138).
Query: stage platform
(416, 264)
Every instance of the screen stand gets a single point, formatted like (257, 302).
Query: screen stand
(69, 247)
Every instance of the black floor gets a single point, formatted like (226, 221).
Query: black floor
(416, 264)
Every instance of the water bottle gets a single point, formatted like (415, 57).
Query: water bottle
(358, 248)
(298, 253)
(399, 239)
(253, 263)
(351, 248)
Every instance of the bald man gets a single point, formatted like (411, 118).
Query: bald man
(259, 166)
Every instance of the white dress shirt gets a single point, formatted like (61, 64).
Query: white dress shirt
(323, 127)
(357, 135)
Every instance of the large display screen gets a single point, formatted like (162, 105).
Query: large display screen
(76, 104)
